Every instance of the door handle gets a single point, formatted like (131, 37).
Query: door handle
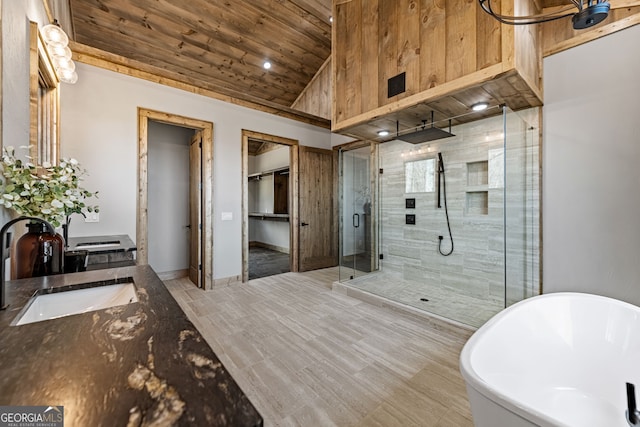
(356, 224)
(188, 226)
(303, 224)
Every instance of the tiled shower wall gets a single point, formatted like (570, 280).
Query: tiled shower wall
(475, 179)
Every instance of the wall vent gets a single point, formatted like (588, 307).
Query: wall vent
(396, 85)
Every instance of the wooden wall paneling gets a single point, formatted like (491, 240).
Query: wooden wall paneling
(370, 55)
(388, 48)
(527, 39)
(409, 45)
(461, 42)
(339, 61)
(463, 56)
(432, 39)
(316, 97)
(559, 35)
(489, 35)
(354, 39)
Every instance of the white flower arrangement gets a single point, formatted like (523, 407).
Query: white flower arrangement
(48, 192)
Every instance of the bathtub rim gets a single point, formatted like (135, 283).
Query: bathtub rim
(473, 380)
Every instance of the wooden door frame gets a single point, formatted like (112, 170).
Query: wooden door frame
(144, 115)
(294, 222)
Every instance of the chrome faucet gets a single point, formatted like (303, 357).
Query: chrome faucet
(3, 231)
(632, 414)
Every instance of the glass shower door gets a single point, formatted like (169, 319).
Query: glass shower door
(356, 213)
(522, 207)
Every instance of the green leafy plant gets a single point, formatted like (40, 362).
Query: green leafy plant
(50, 192)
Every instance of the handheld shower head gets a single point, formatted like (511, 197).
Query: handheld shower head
(440, 163)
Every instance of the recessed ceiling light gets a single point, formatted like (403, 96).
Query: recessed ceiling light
(266, 65)
(383, 133)
(480, 106)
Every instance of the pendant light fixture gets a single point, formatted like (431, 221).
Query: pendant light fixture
(57, 45)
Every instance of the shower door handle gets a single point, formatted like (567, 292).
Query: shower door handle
(356, 220)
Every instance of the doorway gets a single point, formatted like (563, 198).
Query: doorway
(312, 204)
(269, 205)
(200, 226)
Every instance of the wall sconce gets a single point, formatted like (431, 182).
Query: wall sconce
(57, 45)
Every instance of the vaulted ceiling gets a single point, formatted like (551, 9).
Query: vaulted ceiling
(219, 44)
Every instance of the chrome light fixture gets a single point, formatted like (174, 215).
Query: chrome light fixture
(57, 45)
(594, 12)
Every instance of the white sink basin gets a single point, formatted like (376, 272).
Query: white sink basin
(65, 303)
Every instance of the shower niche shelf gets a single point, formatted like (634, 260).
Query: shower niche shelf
(478, 173)
(477, 202)
(477, 191)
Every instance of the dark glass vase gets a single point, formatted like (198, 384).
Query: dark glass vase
(39, 252)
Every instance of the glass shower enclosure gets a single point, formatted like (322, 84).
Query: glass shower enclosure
(357, 219)
(450, 226)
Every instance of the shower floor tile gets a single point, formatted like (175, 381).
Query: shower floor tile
(433, 299)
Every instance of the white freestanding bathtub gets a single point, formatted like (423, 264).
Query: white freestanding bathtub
(559, 359)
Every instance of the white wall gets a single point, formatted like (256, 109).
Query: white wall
(591, 168)
(99, 128)
(168, 200)
(15, 72)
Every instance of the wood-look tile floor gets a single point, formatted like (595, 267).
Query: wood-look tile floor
(307, 356)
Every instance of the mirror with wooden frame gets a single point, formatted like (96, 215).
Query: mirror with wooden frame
(44, 102)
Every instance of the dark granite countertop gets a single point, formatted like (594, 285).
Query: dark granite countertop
(139, 364)
(102, 244)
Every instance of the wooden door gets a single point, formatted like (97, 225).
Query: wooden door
(195, 208)
(318, 239)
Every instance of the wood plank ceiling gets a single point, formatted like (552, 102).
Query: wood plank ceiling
(221, 44)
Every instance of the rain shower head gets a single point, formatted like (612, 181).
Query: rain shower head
(424, 135)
